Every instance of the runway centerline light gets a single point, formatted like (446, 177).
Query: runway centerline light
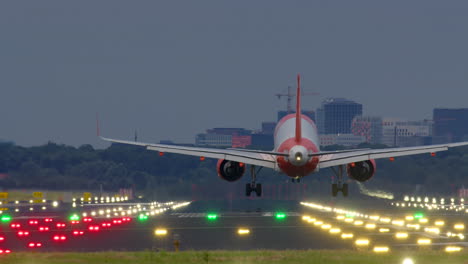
(418, 216)
(142, 217)
(407, 261)
(74, 217)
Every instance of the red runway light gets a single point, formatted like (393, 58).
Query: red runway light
(161, 154)
(48, 220)
(59, 238)
(43, 228)
(78, 233)
(116, 221)
(15, 225)
(60, 225)
(87, 219)
(93, 228)
(23, 233)
(75, 222)
(202, 158)
(33, 222)
(126, 219)
(392, 159)
(5, 251)
(34, 245)
(106, 224)
(2, 239)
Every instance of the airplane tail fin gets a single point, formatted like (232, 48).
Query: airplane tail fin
(298, 110)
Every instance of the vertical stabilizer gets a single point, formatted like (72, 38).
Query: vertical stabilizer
(298, 110)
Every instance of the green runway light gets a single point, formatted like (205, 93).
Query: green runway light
(280, 215)
(6, 218)
(418, 215)
(212, 217)
(74, 217)
(142, 217)
(349, 215)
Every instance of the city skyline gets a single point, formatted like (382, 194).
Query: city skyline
(219, 64)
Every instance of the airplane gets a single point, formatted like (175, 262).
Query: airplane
(296, 153)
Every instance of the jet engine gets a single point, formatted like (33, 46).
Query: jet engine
(361, 171)
(230, 170)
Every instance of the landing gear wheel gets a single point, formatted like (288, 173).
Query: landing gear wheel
(334, 189)
(344, 190)
(258, 189)
(248, 189)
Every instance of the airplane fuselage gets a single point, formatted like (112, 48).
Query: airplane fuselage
(297, 163)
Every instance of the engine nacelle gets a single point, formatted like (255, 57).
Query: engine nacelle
(230, 170)
(361, 171)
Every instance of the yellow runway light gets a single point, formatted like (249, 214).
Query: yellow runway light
(409, 218)
(362, 242)
(423, 220)
(318, 223)
(349, 220)
(311, 220)
(398, 222)
(326, 226)
(370, 226)
(358, 222)
(452, 249)
(459, 226)
(381, 249)
(385, 220)
(243, 231)
(433, 230)
(160, 232)
(401, 235)
(384, 230)
(347, 235)
(439, 223)
(305, 217)
(414, 226)
(335, 231)
(374, 217)
(340, 217)
(424, 241)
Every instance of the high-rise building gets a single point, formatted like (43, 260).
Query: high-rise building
(348, 140)
(368, 126)
(336, 115)
(450, 125)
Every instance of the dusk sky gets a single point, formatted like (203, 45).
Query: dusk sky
(172, 69)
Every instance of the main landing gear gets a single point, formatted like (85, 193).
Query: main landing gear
(338, 185)
(253, 186)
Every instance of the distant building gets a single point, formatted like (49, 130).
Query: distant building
(309, 113)
(268, 128)
(225, 137)
(336, 115)
(369, 127)
(450, 125)
(348, 140)
(213, 140)
(402, 133)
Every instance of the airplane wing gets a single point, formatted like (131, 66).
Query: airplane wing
(259, 159)
(362, 155)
